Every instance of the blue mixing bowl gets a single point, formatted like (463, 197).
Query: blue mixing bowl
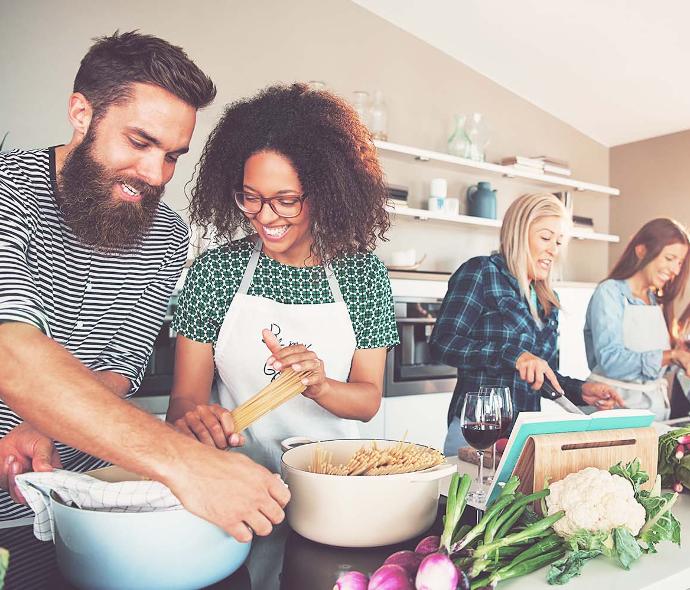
(165, 550)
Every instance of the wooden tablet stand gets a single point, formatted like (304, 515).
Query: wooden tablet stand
(550, 457)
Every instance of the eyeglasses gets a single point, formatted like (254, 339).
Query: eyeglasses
(285, 205)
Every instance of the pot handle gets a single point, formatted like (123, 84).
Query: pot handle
(295, 441)
(438, 472)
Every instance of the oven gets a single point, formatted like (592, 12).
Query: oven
(410, 370)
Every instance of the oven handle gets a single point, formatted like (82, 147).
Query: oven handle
(416, 320)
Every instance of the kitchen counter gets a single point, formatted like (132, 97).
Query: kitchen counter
(669, 569)
(287, 561)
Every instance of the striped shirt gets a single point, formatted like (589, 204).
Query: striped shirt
(106, 309)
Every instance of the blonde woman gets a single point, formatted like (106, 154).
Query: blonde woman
(499, 320)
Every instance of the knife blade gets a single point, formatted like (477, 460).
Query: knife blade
(547, 391)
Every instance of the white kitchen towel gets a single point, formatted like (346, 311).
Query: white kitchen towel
(86, 492)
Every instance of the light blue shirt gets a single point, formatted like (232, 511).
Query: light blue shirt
(606, 353)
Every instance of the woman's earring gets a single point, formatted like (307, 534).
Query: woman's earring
(660, 292)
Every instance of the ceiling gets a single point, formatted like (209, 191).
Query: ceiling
(616, 70)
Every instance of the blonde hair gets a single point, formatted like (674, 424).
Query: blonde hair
(518, 219)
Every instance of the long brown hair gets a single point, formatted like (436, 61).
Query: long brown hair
(655, 235)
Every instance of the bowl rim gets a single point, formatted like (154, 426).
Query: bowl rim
(54, 497)
(387, 477)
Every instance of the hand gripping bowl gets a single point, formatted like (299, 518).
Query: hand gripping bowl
(164, 550)
(358, 511)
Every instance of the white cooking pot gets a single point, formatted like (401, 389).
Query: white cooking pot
(358, 511)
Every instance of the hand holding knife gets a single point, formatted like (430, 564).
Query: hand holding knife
(548, 391)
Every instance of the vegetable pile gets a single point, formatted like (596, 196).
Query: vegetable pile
(674, 459)
(510, 540)
(607, 513)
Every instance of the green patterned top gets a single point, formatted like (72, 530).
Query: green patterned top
(215, 276)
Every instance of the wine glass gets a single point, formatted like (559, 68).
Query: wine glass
(505, 412)
(480, 421)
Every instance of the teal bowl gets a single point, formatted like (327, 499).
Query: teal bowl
(164, 550)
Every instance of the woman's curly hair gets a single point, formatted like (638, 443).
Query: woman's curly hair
(329, 147)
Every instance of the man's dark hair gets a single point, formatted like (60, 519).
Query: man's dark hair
(331, 151)
(114, 63)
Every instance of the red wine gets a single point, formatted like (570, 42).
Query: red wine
(505, 425)
(481, 435)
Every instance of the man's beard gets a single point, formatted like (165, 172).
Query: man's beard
(90, 209)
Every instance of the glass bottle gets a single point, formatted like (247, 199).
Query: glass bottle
(458, 142)
(360, 103)
(378, 117)
(477, 132)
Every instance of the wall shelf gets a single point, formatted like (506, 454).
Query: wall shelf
(424, 214)
(552, 180)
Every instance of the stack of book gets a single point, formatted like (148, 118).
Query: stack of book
(539, 164)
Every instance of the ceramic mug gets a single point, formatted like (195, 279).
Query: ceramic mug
(436, 203)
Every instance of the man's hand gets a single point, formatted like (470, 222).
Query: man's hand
(210, 424)
(230, 490)
(601, 396)
(24, 449)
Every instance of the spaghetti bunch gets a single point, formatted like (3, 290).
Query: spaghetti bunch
(284, 388)
(401, 458)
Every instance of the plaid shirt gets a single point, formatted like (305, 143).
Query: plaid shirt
(484, 325)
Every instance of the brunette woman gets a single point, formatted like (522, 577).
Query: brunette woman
(296, 171)
(629, 316)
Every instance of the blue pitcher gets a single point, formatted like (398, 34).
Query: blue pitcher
(481, 200)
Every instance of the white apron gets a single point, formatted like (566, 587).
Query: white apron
(241, 356)
(644, 329)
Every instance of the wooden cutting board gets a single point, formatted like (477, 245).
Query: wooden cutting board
(550, 457)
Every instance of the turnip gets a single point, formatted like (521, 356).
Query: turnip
(409, 560)
(390, 577)
(428, 545)
(436, 572)
(352, 581)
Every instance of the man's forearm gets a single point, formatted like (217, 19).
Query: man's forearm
(74, 407)
(118, 384)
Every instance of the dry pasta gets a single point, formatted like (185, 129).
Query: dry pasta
(284, 388)
(401, 458)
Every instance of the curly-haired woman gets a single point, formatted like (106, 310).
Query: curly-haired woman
(297, 172)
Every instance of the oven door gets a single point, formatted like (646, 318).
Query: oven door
(410, 369)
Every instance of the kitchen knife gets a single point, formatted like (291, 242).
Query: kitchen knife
(547, 391)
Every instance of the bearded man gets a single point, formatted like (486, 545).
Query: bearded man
(89, 256)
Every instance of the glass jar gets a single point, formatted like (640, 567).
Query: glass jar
(378, 117)
(360, 102)
(458, 142)
(477, 131)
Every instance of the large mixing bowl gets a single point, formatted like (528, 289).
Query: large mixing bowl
(164, 550)
(358, 511)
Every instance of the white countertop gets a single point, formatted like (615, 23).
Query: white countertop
(669, 569)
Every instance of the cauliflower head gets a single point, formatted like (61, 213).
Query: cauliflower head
(594, 500)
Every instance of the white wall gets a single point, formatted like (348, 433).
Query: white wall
(247, 44)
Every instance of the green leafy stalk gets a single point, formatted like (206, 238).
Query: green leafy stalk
(661, 525)
(547, 544)
(476, 531)
(530, 532)
(511, 515)
(632, 472)
(526, 567)
(568, 567)
(457, 500)
(627, 551)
